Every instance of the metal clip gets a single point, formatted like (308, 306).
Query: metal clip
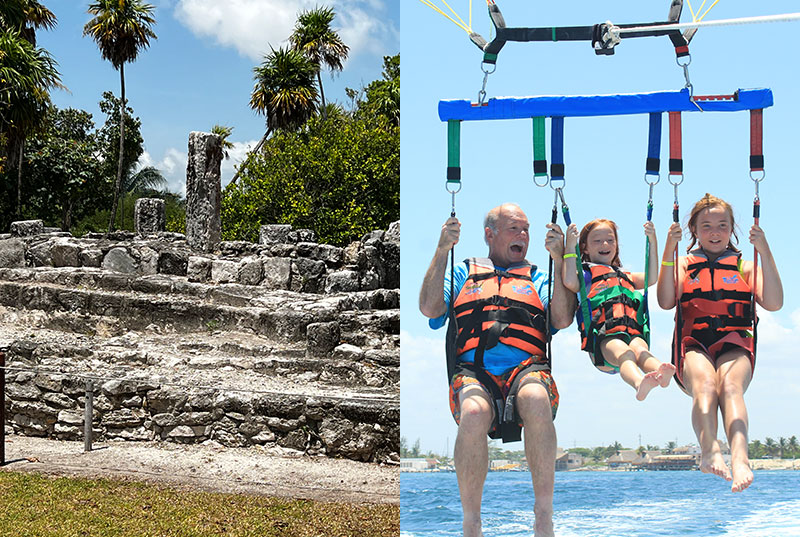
(486, 73)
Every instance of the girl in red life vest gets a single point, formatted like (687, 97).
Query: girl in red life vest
(615, 339)
(715, 347)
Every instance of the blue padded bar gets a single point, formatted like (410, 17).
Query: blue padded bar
(598, 105)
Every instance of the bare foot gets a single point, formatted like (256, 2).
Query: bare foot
(665, 371)
(742, 476)
(713, 463)
(649, 381)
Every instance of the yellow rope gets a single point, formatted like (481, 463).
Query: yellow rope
(709, 9)
(695, 19)
(470, 13)
(464, 24)
(430, 4)
(691, 10)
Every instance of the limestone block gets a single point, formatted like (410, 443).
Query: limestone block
(307, 275)
(322, 338)
(148, 260)
(50, 382)
(250, 271)
(335, 432)
(118, 260)
(370, 280)
(223, 271)
(165, 420)
(34, 426)
(203, 192)
(26, 228)
(348, 352)
(91, 257)
(119, 387)
(305, 235)
(277, 272)
(332, 255)
(342, 281)
(23, 391)
(263, 437)
(65, 253)
(294, 440)
(198, 269)
(58, 400)
(393, 233)
(40, 255)
(274, 234)
(149, 215)
(351, 253)
(124, 417)
(12, 253)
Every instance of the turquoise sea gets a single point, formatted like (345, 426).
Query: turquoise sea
(613, 504)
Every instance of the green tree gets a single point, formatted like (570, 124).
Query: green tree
(27, 74)
(382, 97)
(403, 446)
(224, 132)
(671, 445)
(314, 37)
(415, 450)
(121, 28)
(65, 178)
(284, 92)
(770, 446)
(793, 446)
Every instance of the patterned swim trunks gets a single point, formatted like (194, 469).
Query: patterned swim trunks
(464, 378)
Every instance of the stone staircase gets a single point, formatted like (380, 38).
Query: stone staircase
(204, 348)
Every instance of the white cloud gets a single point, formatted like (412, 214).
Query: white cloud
(237, 155)
(251, 26)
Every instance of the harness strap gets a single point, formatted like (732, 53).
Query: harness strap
(557, 148)
(653, 163)
(675, 145)
(716, 294)
(454, 152)
(609, 275)
(756, 138)
(539, 151)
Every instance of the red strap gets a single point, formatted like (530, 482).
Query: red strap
(675, 151)
(756, 138)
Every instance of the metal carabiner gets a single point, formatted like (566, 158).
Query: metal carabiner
(486, 73)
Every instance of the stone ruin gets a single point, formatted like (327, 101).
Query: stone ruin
(287, 343)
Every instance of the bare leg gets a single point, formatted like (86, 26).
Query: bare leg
(734, 373)
(533, 405)
(471, 455)
(617, 352)
(700, 379)
(649, 363)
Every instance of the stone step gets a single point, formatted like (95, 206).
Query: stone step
(372, 317)
(196, 387)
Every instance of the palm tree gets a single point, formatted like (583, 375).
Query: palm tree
(793, 446)
(121, 28)
(284, 92)
(148, 178)
(223, 132)
(25, 17)
(314, 37)
(783, 444)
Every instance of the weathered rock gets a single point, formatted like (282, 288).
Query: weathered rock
(123, 418)
(198, 269)
(71, 417)
(65, 253)
(307, 275)
(23, 391)
(149, 215)
(277, 273)
(342, 281)
(40, 254)
(91, 257)
(203, 192)
(173, 262)
(393, 233)
(274, 234)
(332, 255)
(26, 228)
(118, 260)
(223, 271)
(58, 400)
(322, 338)
(250, 271)
(12, 253)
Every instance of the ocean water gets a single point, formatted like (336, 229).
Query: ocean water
(613, 504)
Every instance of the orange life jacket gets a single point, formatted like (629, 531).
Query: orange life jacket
(499, 306)
(614, 304)
(716, 295)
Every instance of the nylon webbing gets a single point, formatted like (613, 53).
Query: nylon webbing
(675, 149)
(539, 148)
(454, 151)
(557, 148)
(756, 138)
(653, 164)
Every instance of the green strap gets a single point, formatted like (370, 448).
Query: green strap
(539, 149)
(454, 151)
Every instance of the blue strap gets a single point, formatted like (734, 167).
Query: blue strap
(653, 164)
(557, 148)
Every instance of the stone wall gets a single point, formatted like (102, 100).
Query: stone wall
(52, 405)
(292, 261)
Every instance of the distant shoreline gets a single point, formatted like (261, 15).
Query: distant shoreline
(755, 464)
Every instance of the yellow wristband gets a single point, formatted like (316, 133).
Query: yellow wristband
(668, 263)
(567, 256)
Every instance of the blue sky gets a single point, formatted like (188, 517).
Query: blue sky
(604, 169)
(199, 71)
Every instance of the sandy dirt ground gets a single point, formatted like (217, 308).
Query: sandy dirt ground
(210, 467)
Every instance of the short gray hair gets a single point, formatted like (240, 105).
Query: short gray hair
(493, 215)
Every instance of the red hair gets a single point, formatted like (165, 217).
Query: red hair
(583, 240)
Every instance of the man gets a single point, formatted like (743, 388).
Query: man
(500, 353)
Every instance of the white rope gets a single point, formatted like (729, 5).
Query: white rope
(700, 24)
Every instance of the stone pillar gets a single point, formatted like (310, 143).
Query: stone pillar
(26, 228)
(203, 191)
(149, 215)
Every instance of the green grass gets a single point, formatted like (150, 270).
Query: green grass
(36, 505)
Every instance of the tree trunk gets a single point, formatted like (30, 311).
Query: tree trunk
(247, 158)
(19, 178)
(322, 94)
(118, 181)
